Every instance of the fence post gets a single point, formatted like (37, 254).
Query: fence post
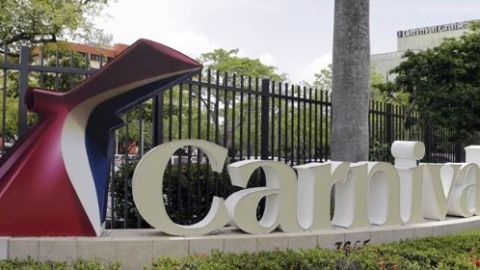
(389, 124)
(458, 148)
(428, 142)
(141, 137)
(22, 89)
(157, 119)
(264, 125)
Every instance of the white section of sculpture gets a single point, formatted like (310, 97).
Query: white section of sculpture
(315, 182)
(351, 199)
(383, 194)
(406, 155)
(242, 207)
(472, 155)
(366, 193)
(438, 184)
(147, 186)
(462, 202)
(281, 196)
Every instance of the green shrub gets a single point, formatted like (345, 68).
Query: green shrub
(50, 265)
(449, 252)
(379, 151)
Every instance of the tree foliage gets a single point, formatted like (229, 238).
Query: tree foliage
(443, 83)
(40, 21)
(323, 79)
(54, 55)
(11, 112)
(228, 61)
(323, 82)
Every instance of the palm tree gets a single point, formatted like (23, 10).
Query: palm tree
(350, 81)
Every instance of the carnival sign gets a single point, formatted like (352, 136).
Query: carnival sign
(54, 182)
(366, 193)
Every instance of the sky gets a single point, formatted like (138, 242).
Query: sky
(293, 35)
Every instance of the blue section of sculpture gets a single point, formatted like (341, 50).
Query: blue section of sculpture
(99, 132)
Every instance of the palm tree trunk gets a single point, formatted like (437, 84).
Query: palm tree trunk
(350, 81)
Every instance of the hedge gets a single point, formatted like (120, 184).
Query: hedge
(50, 265)
(449, 252)
(460, 251)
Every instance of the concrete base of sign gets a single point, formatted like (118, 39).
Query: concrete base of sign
(137, 248)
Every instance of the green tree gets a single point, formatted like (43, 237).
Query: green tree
(246, 69)
(350, 80)
(443, 84)
(36, 23)
(58, 54)
(323, 82)
(323, 79)
(40, 21)
(11, 113)
(375, 92)
(54, 54)
(228, 61)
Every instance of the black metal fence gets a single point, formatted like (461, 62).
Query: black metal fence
(252, 117)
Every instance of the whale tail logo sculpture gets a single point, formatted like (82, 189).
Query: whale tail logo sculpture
(54, 182)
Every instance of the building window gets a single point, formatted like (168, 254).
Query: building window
(95, 57)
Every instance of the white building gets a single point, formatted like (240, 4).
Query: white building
(415, 40)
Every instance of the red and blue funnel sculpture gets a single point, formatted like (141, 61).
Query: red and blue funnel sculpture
(54, 182)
